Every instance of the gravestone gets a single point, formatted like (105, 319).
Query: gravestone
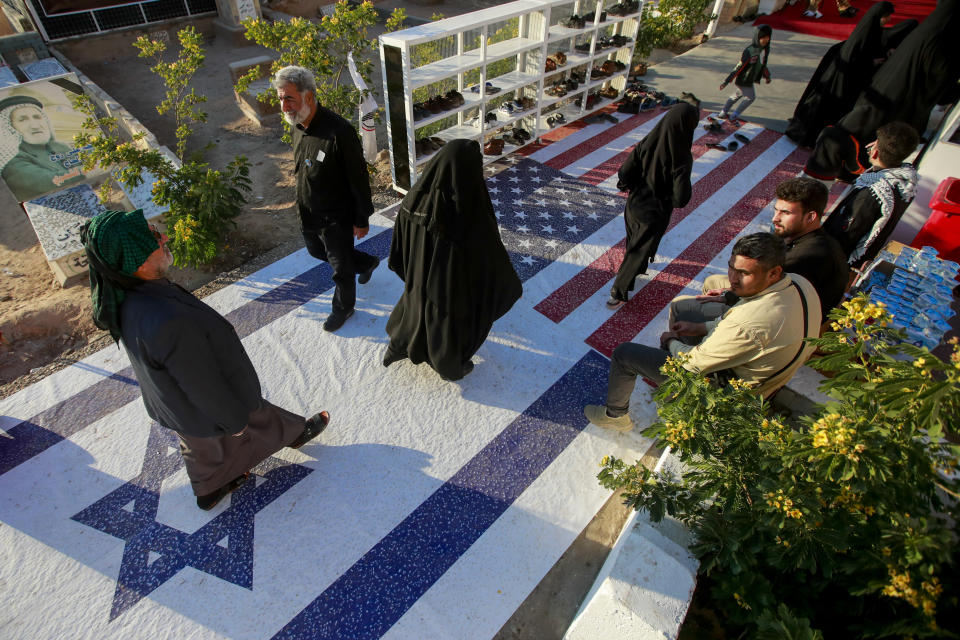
(56, 219)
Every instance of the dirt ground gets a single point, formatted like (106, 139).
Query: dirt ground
(44, 326)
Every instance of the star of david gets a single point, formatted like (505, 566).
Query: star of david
(154, 552)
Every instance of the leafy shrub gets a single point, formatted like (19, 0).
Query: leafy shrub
(323, 47)
(845, 524)
(201, 202)
(669, 21)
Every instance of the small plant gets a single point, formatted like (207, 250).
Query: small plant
(845, 524)
(201, 202)
(667, 22)
(322, 47)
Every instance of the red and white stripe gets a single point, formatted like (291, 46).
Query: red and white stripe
(731, 190)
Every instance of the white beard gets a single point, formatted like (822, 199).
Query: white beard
(298, 117)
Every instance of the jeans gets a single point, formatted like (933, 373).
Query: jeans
(630, 359)
(745, 92)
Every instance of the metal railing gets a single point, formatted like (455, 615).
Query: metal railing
(73, 23)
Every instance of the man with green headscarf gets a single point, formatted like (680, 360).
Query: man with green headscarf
(194, 375)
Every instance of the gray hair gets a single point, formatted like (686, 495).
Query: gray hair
(301, 77)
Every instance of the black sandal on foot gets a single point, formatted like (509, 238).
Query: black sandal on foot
(313, 427)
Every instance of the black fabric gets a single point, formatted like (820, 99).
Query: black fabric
(843, 73)
(457, 275)
(663, 159)
(646, 218)
(854, 217)
(817, 256)
(333, 184)
(333, 243)
(911, 82)
(194, 374)
(837, 153)
(657, 176)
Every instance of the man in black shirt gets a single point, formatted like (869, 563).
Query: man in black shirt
(863, 221)
(333, 188)
(811, 252)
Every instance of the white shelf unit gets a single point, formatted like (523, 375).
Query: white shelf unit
(505, 47)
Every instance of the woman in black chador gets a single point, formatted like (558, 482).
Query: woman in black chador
(457, 275)
(657, 175)
(845, 70)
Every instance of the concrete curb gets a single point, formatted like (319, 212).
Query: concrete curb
(645, 586)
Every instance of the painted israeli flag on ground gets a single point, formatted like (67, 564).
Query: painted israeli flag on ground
(428, 509)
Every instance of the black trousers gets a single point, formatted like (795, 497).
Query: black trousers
(334, 244)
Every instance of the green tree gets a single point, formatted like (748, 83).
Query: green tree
(322, 47)
(669, 21)
(202, 202)
(842, 523)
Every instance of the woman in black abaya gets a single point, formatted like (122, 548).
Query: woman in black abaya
(842, 74)
(657, 175)
(906, 88)
(458, 278)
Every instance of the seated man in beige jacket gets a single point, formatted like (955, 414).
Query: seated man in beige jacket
(758, 340)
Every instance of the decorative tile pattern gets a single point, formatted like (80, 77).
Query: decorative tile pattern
(45, 68)
(57, 217)
(7, 79)
(141, 196)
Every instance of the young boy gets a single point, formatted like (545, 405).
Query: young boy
(753, 66)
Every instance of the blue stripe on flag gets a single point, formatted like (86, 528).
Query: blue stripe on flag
(382, 585)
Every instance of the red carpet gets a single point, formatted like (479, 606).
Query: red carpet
(831, 25)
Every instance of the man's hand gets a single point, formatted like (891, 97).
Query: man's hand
(686, 328)
(665, 339)
(359, 232)
(768, 80)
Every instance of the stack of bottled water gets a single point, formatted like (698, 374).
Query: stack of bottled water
(918, 293)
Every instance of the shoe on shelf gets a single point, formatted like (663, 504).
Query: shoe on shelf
(742, 138)
(211, 500)
(817, 15)
(597, 414)
(364, 276)
(336, 319)
(313, 427)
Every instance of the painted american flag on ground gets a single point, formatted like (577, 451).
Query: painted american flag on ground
(428, 509)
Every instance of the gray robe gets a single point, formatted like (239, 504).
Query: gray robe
(197, 380)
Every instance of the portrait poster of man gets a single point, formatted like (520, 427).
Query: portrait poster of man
(37, 125)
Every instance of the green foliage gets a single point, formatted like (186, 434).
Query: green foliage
(201, 202)
(841, 523)
(665, 23)
(322, 46)
(176, 76)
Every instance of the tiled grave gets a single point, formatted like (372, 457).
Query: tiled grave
(57, 218)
